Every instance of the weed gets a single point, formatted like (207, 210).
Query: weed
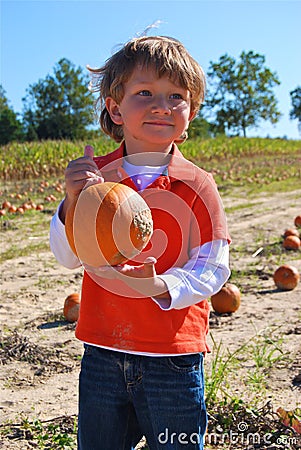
(256, 380)
(223, 362)
(263, 351)
(266, 351)
(56, 434)
(48, 283)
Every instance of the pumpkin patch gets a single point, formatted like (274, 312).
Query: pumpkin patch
(31, 199)
(36, 309)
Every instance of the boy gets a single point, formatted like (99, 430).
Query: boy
(144, 323)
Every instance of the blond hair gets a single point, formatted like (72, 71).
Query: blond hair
(167, 56)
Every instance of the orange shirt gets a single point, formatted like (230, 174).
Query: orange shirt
(187, 212)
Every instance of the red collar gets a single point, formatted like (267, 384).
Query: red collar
(179, 167)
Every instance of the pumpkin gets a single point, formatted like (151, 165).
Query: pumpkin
(6, 204)
(291, 243)
(71, 307)
(108, 224)
(286, 277)
(297, 221)
(227, 300)
(12, 209)
(291, 232)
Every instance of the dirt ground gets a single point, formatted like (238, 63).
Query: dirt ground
(38, 379)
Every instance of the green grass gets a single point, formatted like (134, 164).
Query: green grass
(59, 433)
(231, 209)
(24, 235)
(16, 251)
(260, 354)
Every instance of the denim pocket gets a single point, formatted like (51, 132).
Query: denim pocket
(185, 363)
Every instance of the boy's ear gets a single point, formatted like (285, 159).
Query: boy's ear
(113, 110)
(192, 115)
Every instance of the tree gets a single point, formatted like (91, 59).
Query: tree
(295, 112)
(200, 128)
(10, 126)
(60, 106)
(241, 93)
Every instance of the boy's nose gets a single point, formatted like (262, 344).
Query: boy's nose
(161, 105)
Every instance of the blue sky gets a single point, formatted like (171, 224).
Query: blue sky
(36, 34)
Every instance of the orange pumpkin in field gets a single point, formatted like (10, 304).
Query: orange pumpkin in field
(291, 242)
(291, 232)
(109, 223)
(227, 300)
(286, 277)
(71, 307)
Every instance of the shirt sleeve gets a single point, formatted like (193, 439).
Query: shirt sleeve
(202, 276)
(59, 244)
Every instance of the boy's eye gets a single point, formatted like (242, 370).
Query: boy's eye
(176, 96)
(144, 93)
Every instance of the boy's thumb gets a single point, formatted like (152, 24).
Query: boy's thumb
(149, 266)
(89, 151)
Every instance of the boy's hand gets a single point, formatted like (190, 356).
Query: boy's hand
(146, 270)
(79, 173)
(142, 278)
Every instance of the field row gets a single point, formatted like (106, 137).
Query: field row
(235, 160)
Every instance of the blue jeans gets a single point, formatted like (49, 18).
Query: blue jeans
(123, 397)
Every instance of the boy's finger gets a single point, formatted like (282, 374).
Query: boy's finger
(150, 260)
(89, 151)
(149, 267)
(93, 180)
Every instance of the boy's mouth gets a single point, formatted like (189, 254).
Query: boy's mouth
(159, 123)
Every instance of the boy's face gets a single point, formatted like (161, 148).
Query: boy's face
(153, 112)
